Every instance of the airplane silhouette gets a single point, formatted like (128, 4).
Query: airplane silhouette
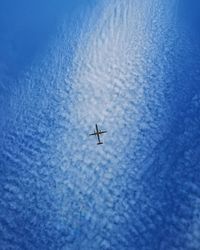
(98, 133)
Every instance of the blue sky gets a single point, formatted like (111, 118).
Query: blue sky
(133, 68)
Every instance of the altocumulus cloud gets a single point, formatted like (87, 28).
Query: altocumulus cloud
(112, 66)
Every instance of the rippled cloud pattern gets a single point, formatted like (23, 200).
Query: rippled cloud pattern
(130, 66)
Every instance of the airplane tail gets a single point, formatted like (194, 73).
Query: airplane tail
(99, 143)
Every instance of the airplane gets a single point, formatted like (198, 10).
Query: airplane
(98, 133)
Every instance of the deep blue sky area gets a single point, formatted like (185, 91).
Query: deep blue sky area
(133, 68)
(26, 27)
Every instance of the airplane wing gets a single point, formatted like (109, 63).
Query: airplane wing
(102, 132)
(93, 134)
